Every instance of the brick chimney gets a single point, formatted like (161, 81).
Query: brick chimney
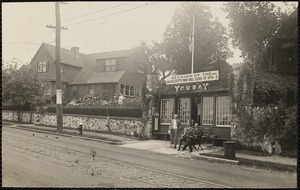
(75, 51)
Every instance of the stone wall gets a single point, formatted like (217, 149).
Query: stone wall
(129, 126)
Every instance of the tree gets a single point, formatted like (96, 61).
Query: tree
(172, 55)
(254, 24)
(21, 87)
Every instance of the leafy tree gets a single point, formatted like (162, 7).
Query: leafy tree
(254, 24)
(21, 87)
(173, 54)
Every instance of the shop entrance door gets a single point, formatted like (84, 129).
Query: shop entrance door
(196, 109)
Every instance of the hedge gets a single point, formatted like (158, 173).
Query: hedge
(100, 111)
(12, 107)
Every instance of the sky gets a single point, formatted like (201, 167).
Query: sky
(105, 26)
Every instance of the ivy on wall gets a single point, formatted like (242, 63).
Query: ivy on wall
(259, 104)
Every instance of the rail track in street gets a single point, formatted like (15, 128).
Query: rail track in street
(97, 165)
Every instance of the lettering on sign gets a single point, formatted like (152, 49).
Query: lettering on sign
(191, 87)
(193, 77)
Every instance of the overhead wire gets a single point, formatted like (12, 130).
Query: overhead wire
(35, 43)
(108, 15)
(95, 12)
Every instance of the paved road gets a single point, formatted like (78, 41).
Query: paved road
(45, 160)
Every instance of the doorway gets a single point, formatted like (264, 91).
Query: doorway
(196, 109)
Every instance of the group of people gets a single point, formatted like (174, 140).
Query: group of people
(190, 135)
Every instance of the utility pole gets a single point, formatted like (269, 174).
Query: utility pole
(58, 69)
(193, 45)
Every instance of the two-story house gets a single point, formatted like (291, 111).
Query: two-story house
(84, 74)
(281, 53)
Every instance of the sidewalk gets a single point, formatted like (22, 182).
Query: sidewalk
(215, 154)
(209, 152)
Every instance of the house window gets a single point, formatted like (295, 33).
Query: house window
(92, 90)
(223, 111)
(166, 111)
(131, 92)
(127, 90)
(122, 89)
(184, 110)
(110, 65)
(138, 91)
(208, 111)
(49, 89)
(74, 91)
(42, 67)
(62, 69)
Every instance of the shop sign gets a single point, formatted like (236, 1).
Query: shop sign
(193, 77)
(191, 87)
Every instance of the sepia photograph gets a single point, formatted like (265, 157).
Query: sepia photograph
(149, 94)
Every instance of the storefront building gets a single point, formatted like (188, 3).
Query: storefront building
(206, 102)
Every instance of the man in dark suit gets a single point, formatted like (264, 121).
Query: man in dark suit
(193, 137)
(187, 132)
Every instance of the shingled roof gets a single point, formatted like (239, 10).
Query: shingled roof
(67, 56)
(112, 54)
(87, 62)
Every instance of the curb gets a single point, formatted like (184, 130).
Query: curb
(252, 163)
(66, 135)
(267, 165)
(214, 159)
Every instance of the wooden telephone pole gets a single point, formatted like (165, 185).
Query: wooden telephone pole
(58, 69)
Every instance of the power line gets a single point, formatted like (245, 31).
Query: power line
(35, 43)
(108, 15)
(95, 12)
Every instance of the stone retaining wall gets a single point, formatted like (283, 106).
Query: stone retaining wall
(129, 126)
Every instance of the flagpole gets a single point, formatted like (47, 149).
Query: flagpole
(193, 41)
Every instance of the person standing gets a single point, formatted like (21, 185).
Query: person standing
(173, 130)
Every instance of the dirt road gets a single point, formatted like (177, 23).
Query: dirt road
(42, 160)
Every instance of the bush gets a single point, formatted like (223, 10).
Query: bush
(133, 102)
(288, 134)
(13, 107)
(100, 111)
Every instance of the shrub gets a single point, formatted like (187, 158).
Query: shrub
(101, 111)
(133, 102)
(13, 107)
(288, 133)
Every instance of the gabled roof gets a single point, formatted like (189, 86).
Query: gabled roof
(67, 56)
(101, 77)
(112, 54)
(87, 63)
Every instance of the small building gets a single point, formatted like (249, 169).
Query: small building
(88, 74)
(208, 103)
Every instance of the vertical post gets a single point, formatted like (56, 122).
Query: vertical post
(193, 44)
(58, 71)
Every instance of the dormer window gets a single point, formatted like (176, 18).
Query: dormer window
(42, 67)
(110, 65)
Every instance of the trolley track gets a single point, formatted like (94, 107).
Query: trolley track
(134, 172)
